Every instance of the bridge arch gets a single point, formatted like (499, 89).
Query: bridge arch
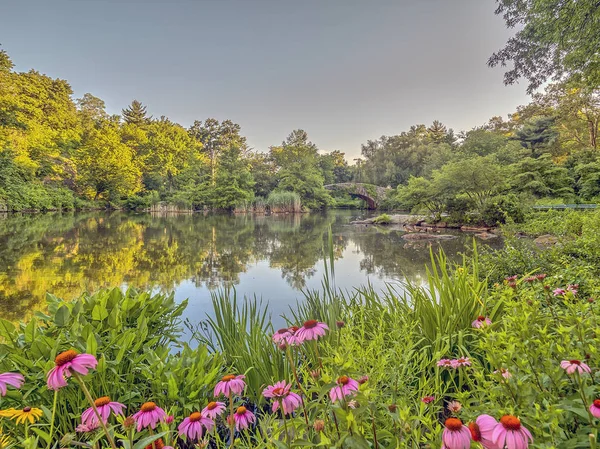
(373, 195)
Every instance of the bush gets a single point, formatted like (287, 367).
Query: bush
(382, 219)
(502, 209)
(283, 202)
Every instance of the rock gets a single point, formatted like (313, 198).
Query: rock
(486, 235)
(546, 240)
(474, 229)
(427, 236)
(398, 219)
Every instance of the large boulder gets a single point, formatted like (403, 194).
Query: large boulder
(546, 240)
(425, 236)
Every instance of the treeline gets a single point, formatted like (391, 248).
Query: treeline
(60, 153)
(545, 152)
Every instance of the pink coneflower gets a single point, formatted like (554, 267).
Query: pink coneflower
(505, 373)
(169, 419)
(559, 291)
(573, 288)
(68, 361)
(445, 363)
(541, 276)
(454, 406)
(595, 408)
(363, 380)
(281, 394)
(456, 435)
(481, 321)
(482, 430)
(512, 284)
(463, 361)
(84, 428)
(570, 366)
(230, 384)
(149, 416)
(345, 386)
(311, 330)
(428, 399)
(104, 406)
(14, 379)
(243, 418)
(511, 278)
(284, 336)
(530, 279)
(193, 426)
(213, 409)
(511, 434)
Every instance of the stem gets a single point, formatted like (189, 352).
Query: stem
(232, 420)
(88, 396)
(287, 435)
(336, 424)
(318, 355)
(52, 421)
(152, 433)
(584, 399)
(303, 393)
(374, 430)
(26, 429)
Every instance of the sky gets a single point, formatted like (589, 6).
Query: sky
(346, 71)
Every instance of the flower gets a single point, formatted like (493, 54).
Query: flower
(282, 395)
(530, 279)
(570, 366)
(363, 380)
(311, 330)
(345, 387)
(30, 414)
(213, 409)
(482, 430)
(104, 406)
(169, 419)
(158, 444)
(14, 379)
(511, 278)
(128, 423)
(573, 288)
(4, 440)
(340, 324)
(511, 434)
(284, 336)
(505, 373)
(319, 425)
(243, 418)
(481, 321)
(192, 426)
(84, 428)
(456, 435)
(454, 406)
(595, 408)
(463, 361)
(65, 363)
(540, 276)
(149, 416)
(428, 399)
(558, 292)
(230, 384)
(445, 363)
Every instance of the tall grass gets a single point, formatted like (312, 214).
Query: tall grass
(284, 202)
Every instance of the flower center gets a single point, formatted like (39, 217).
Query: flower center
(575, 362)
(278, 391)
(282, 331)
(453, 424)
(510, 422)
(310, 324)
(158, 444)
(148, 407)
(65, 357)
(196, 416)
(104, 400)
(597, 403)
(241, 410)
(293, 329)
(480, 318)
(228, 378)
(343, 380)
(26, 409)
(211, 405)
(475, 432)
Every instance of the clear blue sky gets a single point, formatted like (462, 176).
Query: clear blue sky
(343, 70)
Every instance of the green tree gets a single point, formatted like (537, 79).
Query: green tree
(556, 39)
(135, 114)
(541, 177)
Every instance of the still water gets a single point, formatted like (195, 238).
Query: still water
(272, 257)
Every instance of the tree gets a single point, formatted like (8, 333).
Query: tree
(537, 134)
(135, 114)
(541, 177)
(557, 39)
(298, 169)
(234, 180)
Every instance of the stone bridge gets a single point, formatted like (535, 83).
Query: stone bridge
(371, 193)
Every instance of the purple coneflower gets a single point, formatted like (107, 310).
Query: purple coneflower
(573, 288)
(149, 416)
(559, 291)
(482, 430)
(428, 399)
(570, 366)
(230, 384)
(104, 407)
(505, 373)
(284, 336)
(311, 330)
(213, 409)
(445, 363)
(243, 418)
(281, 394)
(595, 408)
(481, 321)
(454, 406)
(462, 361)
(68, 361)
(345, 386)
(456, 435)
(193, 426)
(511, 434)
(14, 379)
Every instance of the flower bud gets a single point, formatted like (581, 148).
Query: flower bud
(282, 346)
(319, 425)
(392, 408)
(340, 324)
(590, 300)
(128, 423)
(363, 380)
(169, 419)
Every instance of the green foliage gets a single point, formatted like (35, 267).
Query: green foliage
(502, 209)
(382, 219)
(283, 202)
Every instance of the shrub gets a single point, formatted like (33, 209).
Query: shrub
(382, 219)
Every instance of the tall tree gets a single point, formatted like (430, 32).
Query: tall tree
(556, 39)
(135, 114)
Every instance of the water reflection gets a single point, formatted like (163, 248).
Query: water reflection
(192, 254)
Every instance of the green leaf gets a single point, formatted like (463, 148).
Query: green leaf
(62, 316)
(148, 440)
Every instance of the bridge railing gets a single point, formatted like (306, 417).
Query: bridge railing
(567, 206)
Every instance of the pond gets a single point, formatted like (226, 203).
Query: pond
(272, 257)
